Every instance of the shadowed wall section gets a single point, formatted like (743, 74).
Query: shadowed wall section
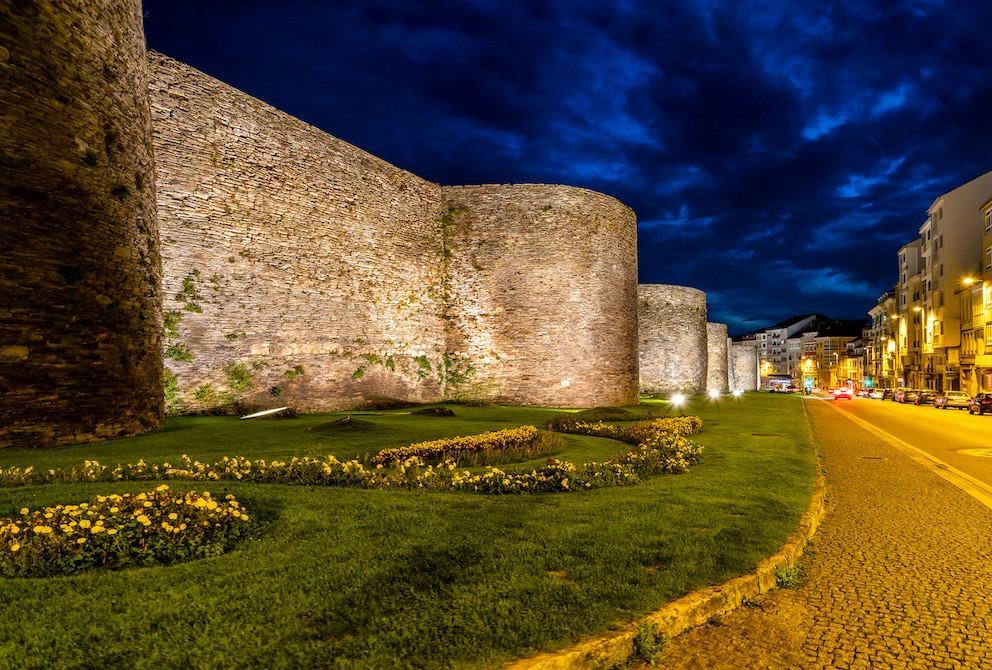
(717, 358)
(542, 294)
(80, 345)
(298, 269)
(672, 331)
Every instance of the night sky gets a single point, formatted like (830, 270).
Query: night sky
(777, 153)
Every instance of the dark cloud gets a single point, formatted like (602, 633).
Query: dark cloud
(777, 154)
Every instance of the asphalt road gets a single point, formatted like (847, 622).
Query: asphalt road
(960, 440)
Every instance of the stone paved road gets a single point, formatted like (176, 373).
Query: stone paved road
(900, 574)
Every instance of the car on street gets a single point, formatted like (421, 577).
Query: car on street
(842, 392)
(887, 394)
(924, 397)
(980, 404)
(908, 396)
(900, 394)
(956, 399)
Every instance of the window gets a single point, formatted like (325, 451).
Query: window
(988, 221)
(988, 258)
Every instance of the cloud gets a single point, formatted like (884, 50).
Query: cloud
(777, 154)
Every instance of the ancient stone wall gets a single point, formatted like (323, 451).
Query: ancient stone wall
(672, 338)
(80, 347)
(717, 358)
(542, 294)
(744, 366)
(297, 269)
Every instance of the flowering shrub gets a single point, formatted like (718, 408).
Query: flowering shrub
(521, 443)
(634, 434)
(113, 531)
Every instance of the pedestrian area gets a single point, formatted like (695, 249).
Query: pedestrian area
(899, 574)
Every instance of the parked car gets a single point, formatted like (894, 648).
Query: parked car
(980, 404)
(842, 392)
(792, 389)
(908, 396)
(900, 393)
(886, 394)
(924, 397)
(958, 399)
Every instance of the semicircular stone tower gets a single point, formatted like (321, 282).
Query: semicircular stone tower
(717, 372)
(542, 295)
(672, 338)
(80, 342)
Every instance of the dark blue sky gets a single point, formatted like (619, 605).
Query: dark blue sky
(777, 153)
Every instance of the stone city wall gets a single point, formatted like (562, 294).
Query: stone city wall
(293, 269)
(80, 344)
(300, 270)
(672, 338)
(543, 289)
(717, 371)
(744, 366)
(297, 269)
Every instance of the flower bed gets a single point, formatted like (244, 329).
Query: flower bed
(153, 528)
(661, 448)
(524, 442)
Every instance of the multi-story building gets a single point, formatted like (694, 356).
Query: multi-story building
(948, 265)
(779, 357)
(978, 377)
(908, 331)
(881, 343)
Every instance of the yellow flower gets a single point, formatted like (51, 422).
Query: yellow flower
(144, 520)
(85, 523)
(97, 529)
(81, 540)
(25, 510)
(115, 510)
(173, 516)
(163, 487)
(42, 530)
(15, 546)
(111, 531)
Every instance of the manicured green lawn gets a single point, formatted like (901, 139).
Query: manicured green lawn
(346, 578)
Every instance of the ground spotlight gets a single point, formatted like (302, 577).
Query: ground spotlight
(738, 393)
(714, 393)
(678, 399)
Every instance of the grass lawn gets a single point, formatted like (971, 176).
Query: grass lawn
(347, 578)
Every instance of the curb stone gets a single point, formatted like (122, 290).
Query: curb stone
(689, 611)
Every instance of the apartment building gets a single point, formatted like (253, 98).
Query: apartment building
(933, 329)
(950, 262)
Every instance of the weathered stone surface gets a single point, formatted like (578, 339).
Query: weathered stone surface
(543, 289)
(672, 338)
(743, 370)
(285, 248)
(80, 335)
(717, 375)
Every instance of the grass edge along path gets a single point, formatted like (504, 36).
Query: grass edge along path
(409, 579)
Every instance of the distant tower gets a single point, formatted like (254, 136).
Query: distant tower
(671, 325)
(80, 314)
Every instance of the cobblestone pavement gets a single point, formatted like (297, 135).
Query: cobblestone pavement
(899, 574)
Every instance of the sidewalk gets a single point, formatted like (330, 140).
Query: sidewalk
(899, 574)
